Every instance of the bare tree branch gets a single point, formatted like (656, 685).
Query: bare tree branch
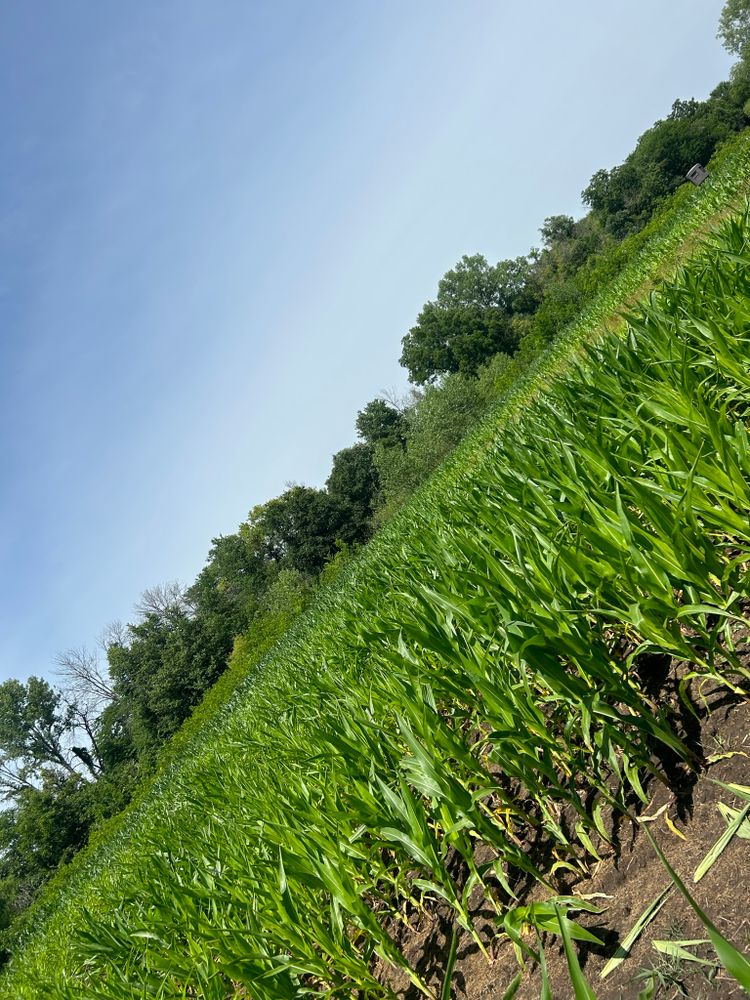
(401, 401)
(12, 780)
(163, 599)
(84, 674)
(114, 634)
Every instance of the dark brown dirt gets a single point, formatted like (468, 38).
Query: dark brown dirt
(628, 878)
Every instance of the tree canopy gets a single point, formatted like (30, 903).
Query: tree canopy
(354, 482)
(472, 317)
(381, 423)
(624, 197)
(734, 27)
(298, 529)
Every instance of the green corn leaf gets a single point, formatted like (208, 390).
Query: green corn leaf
(741, 791)
(512, 989)
(546, 992)
(445, 992)
(581, 989)
(729, 815)
(585, 839)
(679, 949)
(626, 945)
(721, 844)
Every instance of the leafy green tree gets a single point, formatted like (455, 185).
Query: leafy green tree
(557, 229)
(115, 736)
(562, 303)
(34, 727)
(734, 26)
(354, 482)
(509, 285)
(298, 529)
(287, 596)
(47, 826)
(231, 581)
(472, 317)
(44, 828)
(470, 283)
(566, 246)
(381, 423)
(624, 198)
(161, 669)
(453, 340)
(436, 424)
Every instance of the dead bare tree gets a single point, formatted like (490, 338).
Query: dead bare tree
(86, 692)
(114, 634)
(83, 672)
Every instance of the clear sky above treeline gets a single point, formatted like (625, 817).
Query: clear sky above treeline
(217, 221)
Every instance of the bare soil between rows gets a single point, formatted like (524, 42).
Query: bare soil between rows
(627, 879)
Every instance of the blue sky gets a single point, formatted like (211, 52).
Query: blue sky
(217, 221)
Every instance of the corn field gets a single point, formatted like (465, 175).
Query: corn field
(471, 698)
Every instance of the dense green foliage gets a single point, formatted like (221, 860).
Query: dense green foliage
(354, 483)
(734, 26)
(624, 198)
(477, 314)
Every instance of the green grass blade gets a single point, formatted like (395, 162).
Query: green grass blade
(649, 990)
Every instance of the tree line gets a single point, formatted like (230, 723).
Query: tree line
(74, 754)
